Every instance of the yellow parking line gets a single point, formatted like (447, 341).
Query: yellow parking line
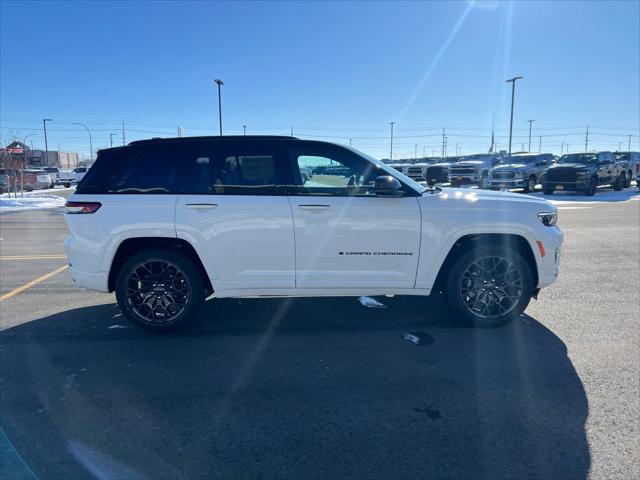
(31, 257)
(32, 283)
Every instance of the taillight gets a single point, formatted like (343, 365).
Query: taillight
(82, 207)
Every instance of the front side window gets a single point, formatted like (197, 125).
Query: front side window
(333, 173)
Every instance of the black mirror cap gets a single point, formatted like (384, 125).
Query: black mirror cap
(388, 186)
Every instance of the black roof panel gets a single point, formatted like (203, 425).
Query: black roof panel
(222, 138)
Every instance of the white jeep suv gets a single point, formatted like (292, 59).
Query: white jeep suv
(166, 223)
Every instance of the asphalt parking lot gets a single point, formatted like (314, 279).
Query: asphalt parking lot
(325, 388)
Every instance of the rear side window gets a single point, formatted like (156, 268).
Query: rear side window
(196, 168)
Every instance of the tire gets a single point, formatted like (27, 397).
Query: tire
(167, 266)
(28, 188)
(456, 183)
(547, 191)
(591, 190)
(619, 183)
(461, 284)
(531, 185)
(66, 185)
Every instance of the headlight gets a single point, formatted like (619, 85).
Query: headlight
(548, 218)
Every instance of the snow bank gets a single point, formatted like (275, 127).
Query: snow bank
(30, 201)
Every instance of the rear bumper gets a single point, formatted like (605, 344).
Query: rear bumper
(81, 263)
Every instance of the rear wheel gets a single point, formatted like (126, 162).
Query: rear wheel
(489, 286)
(591, 190)
(159, 290)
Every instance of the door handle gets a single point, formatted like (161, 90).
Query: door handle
(314, 207)
(202, 206)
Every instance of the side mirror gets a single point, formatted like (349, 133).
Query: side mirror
(388, 186)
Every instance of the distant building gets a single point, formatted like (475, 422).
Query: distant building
(36, 158)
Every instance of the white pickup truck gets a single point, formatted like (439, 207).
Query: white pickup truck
(166, 223)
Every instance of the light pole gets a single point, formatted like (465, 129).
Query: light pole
(219, 83)
(24, 163)
(620, 146)
(530, 122)
(90, 141)
(391, 151)
(350, 141)
(244, 129)
(540, 145)
(46, 144)
(513, 97)
(111, 139)
(629, 146)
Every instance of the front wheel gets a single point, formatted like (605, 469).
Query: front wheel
(619, 183)
(159, 290)
(531, 184)
(592, 188)
(547, 190)
(489, 286)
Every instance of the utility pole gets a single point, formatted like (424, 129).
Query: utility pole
(629, 146)
(561, 148)
(424, 148)
(179, 132)
(391, 148)
(415, 151)
(292, 131)
(219, 83)
(111, 139)
(586, 140)
(522, 147)
(349, 142)
(513, 97)
(123, 137)
(530, 122)
(46, 144)
(446, 140)
(540, 145)
(619, 146)
(443, 141)
(244, 129)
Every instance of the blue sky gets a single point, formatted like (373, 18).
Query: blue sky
(330, 70)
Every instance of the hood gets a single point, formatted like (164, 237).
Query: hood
(470, 163)
(489, 199)
(510, 166)
(442, 164)
(573, 166)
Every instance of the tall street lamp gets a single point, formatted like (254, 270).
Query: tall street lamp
(90, 141)
(219, 83)
(46, 144)
(391, 150)
(513, 96)
(530, 122)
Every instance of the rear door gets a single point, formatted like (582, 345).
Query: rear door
(346, 236)
(235, 213)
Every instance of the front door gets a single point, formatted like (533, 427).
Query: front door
(237, 216)
(346, 236)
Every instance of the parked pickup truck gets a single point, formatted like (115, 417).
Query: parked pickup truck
(473, 169)
(630, 162)
(166, 223)
(438, 172)
(418, 171)
(66, 178)
(583, 172)
(521, 170)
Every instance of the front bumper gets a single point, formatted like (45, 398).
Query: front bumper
(549, 264)
(571, 186)
(507, 183)
(465, 178)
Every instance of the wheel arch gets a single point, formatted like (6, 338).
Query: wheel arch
(134, 245)
(466, 242)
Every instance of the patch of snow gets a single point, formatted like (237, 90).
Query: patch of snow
(371, 302)
(30, 201)
(116, 326)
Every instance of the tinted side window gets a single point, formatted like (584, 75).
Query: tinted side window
(247, 170)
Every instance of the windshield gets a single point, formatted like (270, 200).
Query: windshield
(584, 158)
(521, 159)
